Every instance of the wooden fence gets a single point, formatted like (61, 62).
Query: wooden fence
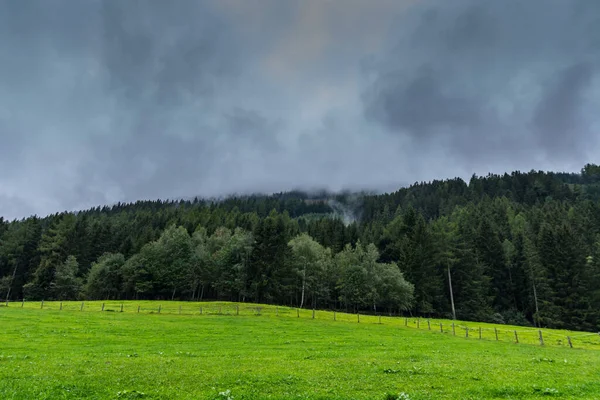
(466, 330)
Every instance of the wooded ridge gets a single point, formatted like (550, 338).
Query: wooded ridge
(519, 248)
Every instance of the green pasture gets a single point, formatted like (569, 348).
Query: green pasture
(182, 350)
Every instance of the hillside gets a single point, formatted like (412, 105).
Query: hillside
(520, 248)
(265, 352)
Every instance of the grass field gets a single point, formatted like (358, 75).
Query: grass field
(268, 352)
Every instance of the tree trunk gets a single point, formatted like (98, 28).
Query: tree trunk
(173, 296)
(451, 293)
(537, 310)
(12, 279)
(303, 286)
(512, 288)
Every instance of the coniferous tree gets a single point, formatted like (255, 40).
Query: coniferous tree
(410, 244)
(54, 249)
(490, 253)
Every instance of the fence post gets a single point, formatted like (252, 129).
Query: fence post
(42, 306)
(200, 310)
(159, 307)
(479, 332)
(516, 337)
(334, 315)
(428, 324)
(358, 316)
(138, 309)
(418, 323)
(569, 340)
(453, 330)
(297, 313)
(60, 306)
(405, 321)
(121, 307)
(380, 319)
(102, 306)
(541, 338)
(313, 313)
(23, 303)
(496, 331)
(81, 308)
(441, 328)
(467, 331)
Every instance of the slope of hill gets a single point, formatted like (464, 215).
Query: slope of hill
(48, 353)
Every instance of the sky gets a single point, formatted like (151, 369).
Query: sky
(123, 100)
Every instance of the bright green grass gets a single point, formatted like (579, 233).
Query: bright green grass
(53, 354)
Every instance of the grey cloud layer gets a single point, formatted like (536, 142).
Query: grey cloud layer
(510, 79)
(105, 101)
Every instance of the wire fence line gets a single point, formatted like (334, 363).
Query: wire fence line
(472, 331)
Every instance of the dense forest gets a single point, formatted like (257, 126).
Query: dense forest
(520, 248)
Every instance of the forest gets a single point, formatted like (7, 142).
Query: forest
(520, 248)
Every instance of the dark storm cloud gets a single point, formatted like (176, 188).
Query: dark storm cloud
(558, 117)
(420, 105)
(106, 101)
(164, 50)
(484, 76)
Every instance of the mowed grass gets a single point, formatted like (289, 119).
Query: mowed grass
(267, 352)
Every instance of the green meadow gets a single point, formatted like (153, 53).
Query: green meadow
(182, 350)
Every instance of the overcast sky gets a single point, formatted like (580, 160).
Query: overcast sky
(120, 100)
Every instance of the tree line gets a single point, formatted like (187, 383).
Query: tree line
(520, 248)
